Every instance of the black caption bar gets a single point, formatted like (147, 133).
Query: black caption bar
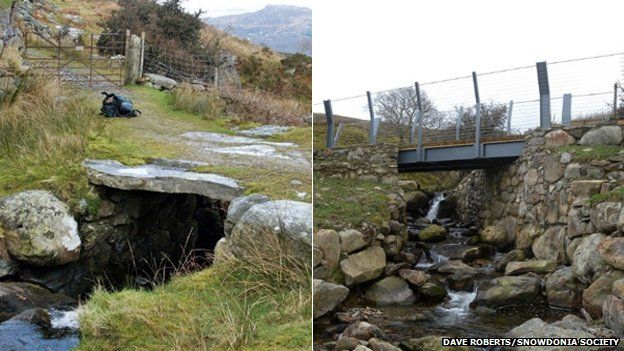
(517, 342)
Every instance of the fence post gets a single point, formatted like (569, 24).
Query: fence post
(337, 136)
(413, 128)
(371, 133)
(566, 113)
(91, 61)
(142, 54)
(615, 98)
(458, 122)
(376, 127)
(509, 114)
(329, 114)
(419, 117)
(477, 116)
(544, 90)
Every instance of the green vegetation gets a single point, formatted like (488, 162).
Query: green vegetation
(346, 203)
(434, 181)
(589, 153)
(206, 104)
(5, 4)
(351, 134)
(614, 195)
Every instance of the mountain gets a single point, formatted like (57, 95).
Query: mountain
(280, 27)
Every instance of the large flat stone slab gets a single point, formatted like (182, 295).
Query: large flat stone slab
(161, 179)
(219, 138)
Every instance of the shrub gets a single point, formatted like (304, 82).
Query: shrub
(252, 105)
(206, 104)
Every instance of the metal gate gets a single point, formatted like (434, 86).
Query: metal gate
(88, 59)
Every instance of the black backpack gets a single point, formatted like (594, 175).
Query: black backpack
(115, 105)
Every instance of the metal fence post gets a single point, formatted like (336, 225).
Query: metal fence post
(477, 116)
(371, 132)
(509, 114)
(413, 128)
(337, 136)
(544, 90)
(376, 125)
(419, 117)
(142, 54)
(458, 122)
(566, 113)
(615, 98)
(329, 114)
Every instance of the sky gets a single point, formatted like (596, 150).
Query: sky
(360, 46)
(216, 8)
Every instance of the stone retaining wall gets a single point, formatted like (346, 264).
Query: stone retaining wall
(376, 163)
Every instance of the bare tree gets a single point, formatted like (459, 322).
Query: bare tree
(493, 119)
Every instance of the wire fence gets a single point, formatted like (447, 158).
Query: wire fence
(511, 103)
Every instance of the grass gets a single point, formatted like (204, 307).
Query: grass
(346, 203)
(206, 104)
(589, 153)
(5, 4)
(614, 195)
(434, 181)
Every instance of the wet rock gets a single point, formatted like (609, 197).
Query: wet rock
(328, 241)
(513, 255)
(508, 290)
(19, 297)
(612, 252)
(534, 266)
(432, 233)
(558, 138)
(380, 345)
(613, 314)
(606, 135)
(461, 281)
(430, 343)
(494, 236)
(346, 343)
(327, 296)
(596, 294)
(364, 266)
(275, 225)
(526, 236)
(563, 290)
(604, 216)
(363, 331)
(38, 229)
(432, 291)
(550, 245)
(477, 252)
(352, 240)
(416, 278)
(239, 206)
(390, 291)
(417, 202)
(454, 266)
(537, 328)
(587, 261)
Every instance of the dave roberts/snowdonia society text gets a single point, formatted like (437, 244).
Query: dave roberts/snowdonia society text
(517, 342)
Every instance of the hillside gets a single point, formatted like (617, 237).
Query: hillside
(281, 28)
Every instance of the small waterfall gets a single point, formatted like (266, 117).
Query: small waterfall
(64, 319)
(433, 259)
(435, 206)
(458, 304)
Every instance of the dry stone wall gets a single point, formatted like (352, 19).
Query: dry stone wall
(377, 163)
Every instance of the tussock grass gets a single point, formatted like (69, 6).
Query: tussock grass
(261, 107)
(583, 153)
(206, 104)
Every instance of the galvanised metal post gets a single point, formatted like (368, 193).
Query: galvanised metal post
(419, 117)
(477, 116)
(544, 90)
(337, 136)
(460, 113)
(566, 113)
(376, 124)
(371, 133)
(329, 114)
(615, 97)
(509, 114)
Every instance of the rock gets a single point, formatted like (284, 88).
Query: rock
(513, 255)
(613, 314)
(416, 278)
(571, 248)
(558, 138)
(620, 224)
(392, 244)
(604, 216)
(346, 343)
(477, 252)
(461, 282)
(38, 229)
(553, 171)
(582, 190)
(578, 223)
(327, 296)
(8, 266)
(596, 294)
(394, 268)
(550, 245)
(352, 240)
(494, 236)
(618, 288)
(432, 233)
(162, 81)
(328, 241)
(276, 227)
(390, 291)
(612, 251)
(317, 256)
(363, 331)
(19, 297)
(409, 185)
(380, 345)
(430, 343)
(361, 348)
(416, 202)
(222, 251)
(566, 158)
(265, 131)
(364, 266)
(534, 266)
(526, 236)
(239, 206)
(537, 328)
(455, 266)
(587, 262)
(563, 290)
(433, 291)
(605, 135)
(508, 290)
(161, 179)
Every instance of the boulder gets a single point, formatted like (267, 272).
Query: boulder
(604, 216)
(526, 236)
(392, 244)
(352, 240)
(613, 314)
(361, 348)
(222, 251)
(620, 223)
(380, 345)
(327, 296)
(550, 245)
(596, 294)
(162, 81)
(409, 185)
(317, 257)
(553, 170)
(38, 229)
(432, 233)
(563, 290)
(495, 236)
(478, 252)
(416, 278)
(390, 291)
(19, 297)
(587, 261)
(432, 291)
(558, 138)
(328, 241)
(508, 290)
(612, 251)
(455, 266)
(537, 328)
(347, 343)
(8, 266)
(460, 281)
(513, 255)
(281, 227)
(618, 288)
(534, 266)
(605, 135)
(239, 206)
(416, 202)
(363, 331)
(364, 266)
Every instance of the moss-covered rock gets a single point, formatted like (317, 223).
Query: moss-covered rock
(432, 233)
